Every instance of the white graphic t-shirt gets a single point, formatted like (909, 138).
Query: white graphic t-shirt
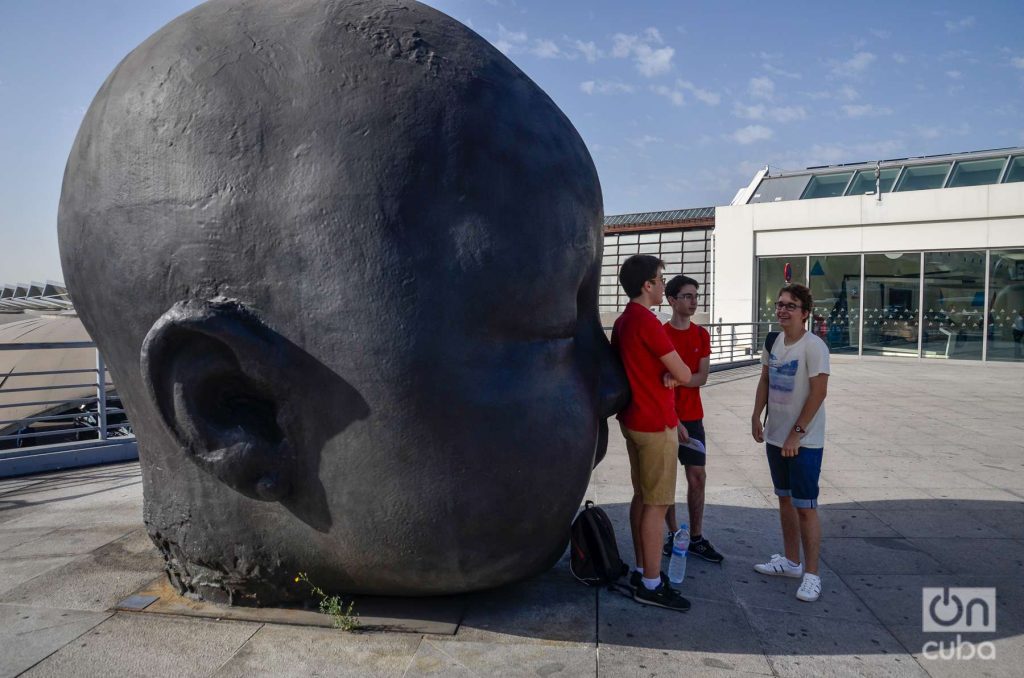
(790, 369)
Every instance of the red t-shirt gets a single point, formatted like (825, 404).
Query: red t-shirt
(641, 341)
(691, 344)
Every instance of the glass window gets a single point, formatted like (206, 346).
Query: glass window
(835, 286)
(977, 172)
(649, 237)
(923, 177)
(695, 234)
(1016, 172)
(626, 239)
(954, 304)
(671, 236)
(1006, 305)
(864, 182)
(892, 293)
(771, 276)
(826, 185)
(774, 189)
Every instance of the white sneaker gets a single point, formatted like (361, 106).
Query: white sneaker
(779, 566)
(810, 588)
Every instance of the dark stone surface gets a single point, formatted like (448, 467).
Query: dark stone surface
(342, 259)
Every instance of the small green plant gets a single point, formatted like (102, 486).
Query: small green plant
(344, 616)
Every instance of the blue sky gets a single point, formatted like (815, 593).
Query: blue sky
(679, 102)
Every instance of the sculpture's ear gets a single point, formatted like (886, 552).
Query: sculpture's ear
(213, 371)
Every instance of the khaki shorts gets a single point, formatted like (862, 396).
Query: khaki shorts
(652, 464)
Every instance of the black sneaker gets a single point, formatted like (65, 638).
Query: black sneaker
(664, 596)
(704, 549)
(635, 576)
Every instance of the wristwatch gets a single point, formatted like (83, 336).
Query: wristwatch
(799, 429)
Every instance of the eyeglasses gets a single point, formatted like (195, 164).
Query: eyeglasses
(780, 305)
(687, 297)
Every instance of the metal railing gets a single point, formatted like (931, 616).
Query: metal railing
(737, 343)
(733, 344)
(78, 418)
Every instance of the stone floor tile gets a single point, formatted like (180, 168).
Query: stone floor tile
(152, 646)
(30, 634)
(298, 652)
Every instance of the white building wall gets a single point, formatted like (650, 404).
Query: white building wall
(974, 217)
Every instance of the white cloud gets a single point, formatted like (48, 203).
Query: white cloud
(605, 87)
(545, 49)
(508, 41)
(761, 112)
(1018, 62)
(866, 110)
(854, 66)
(755, 112)
(750, 134)
(647, 58)
(787, 113)
(706, 96)
(880, 33)
(955, 75)
(589, 51)
(961, 25)
(761, 88)
(899, 58)
(844, 93)
(774, 70)
(936, 131)
(673, 95)
(645, 141)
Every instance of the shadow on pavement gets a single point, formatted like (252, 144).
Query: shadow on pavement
(876, 558)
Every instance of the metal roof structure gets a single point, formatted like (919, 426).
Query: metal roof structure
(34, 296)
(639, 218)
(896, 175)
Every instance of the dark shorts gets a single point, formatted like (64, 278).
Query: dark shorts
(796, 477)
(688, 457)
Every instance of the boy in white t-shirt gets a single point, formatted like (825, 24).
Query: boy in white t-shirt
(793, 385)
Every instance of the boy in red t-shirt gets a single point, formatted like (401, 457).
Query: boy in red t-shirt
(693, 344)
(648, 423)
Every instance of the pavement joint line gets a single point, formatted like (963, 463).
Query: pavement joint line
(867, 607)
(58, 649)
(237, 649)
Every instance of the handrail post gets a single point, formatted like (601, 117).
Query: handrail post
(732, 347)
(101, 394)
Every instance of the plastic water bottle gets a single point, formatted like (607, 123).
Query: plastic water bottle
(677, 564)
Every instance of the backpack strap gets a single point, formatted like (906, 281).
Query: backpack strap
(769, 342)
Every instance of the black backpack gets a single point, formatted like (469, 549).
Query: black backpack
(594, 558)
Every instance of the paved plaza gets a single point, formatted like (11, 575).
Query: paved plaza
(922, 486)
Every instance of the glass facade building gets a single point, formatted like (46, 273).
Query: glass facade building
(962, 304)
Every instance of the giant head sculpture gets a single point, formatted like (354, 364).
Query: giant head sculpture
(342, 259)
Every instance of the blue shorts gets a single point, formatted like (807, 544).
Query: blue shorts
(796, 477)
